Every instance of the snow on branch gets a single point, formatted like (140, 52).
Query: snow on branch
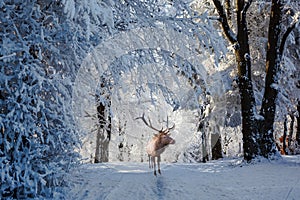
(246, 7)
(7, 56)
(294, 24)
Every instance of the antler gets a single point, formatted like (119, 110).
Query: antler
(148, 123)
(168, 129)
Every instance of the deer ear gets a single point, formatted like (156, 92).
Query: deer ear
(155, 134)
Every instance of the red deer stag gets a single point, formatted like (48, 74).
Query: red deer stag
(157, 144)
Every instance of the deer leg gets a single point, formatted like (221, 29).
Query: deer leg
(150, 166)
(158, 164)
(154, 165)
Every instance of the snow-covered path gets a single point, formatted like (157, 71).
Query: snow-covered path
(225, 179)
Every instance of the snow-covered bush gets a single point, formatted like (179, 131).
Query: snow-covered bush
(37, 137)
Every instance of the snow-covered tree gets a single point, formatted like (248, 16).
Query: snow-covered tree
(38, 134)
(128, 17)
(257, 127)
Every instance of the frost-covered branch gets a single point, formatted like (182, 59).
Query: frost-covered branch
(294, 24)
(7, 56)
(246, 7)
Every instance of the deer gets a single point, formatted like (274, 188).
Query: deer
(157, 145)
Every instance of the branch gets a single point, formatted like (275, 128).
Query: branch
(244, 11)
(246, 7)
(228, 11)
(286, 34)
(224, 22)
(7, 56)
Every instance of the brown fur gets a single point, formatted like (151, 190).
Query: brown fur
(156, 147)
(158, 143)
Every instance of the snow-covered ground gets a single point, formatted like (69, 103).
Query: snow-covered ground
(223, 179)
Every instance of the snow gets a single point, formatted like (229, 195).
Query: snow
(170, 54)
(222, 179)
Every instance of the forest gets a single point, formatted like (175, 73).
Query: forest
(77, 77)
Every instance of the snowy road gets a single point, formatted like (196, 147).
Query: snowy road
(215, 180)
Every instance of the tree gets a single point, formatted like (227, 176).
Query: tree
(104, 124)
(298, 124)
(129, 15)
(38, 135)
(257, 127)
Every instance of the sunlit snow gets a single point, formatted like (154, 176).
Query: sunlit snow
(222, 179)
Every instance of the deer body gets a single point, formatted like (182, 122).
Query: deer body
(157, 144)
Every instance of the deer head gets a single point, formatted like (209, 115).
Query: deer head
(158, 143)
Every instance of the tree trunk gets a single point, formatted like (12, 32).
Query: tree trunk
(291, 130)
(104, 127)
(268, 109)
(217, 146)
(284, 137)
(242, 53)
(204, 148)
(298, 124)
(102, 144)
